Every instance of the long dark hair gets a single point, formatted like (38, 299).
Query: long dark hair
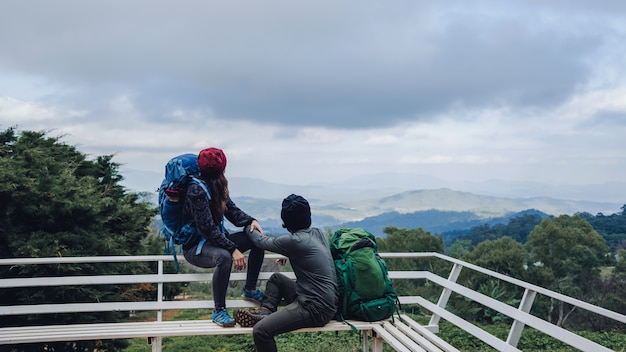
(218, 186)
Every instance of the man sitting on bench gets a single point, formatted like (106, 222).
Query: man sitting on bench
(312, 299)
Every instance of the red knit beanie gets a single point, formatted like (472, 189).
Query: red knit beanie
(212, 162)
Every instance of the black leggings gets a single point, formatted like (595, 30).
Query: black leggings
(222, 261)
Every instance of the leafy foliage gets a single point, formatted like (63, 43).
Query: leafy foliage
(518, 228)
(412, 240)
(503, 255)
(567, 246)
(611, 227)
(55, 202)
(567, 254)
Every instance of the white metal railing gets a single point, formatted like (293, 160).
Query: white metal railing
(520, 315)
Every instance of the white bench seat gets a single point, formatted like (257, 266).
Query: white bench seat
(401, 334)
(49, 333)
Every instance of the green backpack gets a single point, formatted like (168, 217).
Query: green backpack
(365, 290)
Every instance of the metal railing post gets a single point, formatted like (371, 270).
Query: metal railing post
(433, 325)
(160, 289)
(158, 340)
(516, 328)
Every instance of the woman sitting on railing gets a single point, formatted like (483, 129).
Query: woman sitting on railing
(215, 248)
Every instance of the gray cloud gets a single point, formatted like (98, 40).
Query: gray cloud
(606, 118)
(322, 64)
(310, 92)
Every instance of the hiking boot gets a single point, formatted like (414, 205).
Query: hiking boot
(247, 318)
(253, 296)
(223, 319)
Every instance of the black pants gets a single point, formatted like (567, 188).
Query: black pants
(222, 261)
(299, 313)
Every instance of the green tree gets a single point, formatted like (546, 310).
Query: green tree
(517, 228)
(55, 202)
(460, 248)
(411, 240)
(611, 227)
(505, 256)
(482, 233)
(520, 227)
(612, 295)
(567, 253)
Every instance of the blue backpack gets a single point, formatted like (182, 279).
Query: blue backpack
(180, 172)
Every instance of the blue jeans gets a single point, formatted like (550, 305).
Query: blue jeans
(222, 261)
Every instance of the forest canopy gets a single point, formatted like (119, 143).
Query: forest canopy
(55, 202)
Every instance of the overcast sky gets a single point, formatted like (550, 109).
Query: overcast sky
(303, 92)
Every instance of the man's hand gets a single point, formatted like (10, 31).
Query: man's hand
(254, 225)
(281, 261)
(239, 260)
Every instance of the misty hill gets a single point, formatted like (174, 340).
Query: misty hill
(390, 183)
(482, 205)
(436, 210)
(398, 201)
(339, 210)
(434, 221)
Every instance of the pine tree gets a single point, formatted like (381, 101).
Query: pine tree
(54, 202)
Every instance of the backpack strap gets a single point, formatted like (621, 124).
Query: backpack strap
(339, 317)
(208, 194)
(173, 248)
(363, 243)
(347, 292)
(201, 184)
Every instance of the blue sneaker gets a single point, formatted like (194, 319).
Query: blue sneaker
(253, 296)
(223, 319)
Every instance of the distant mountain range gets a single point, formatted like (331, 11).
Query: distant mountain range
(435, 221)
(387, 184)
(436, 211)
(436, 205)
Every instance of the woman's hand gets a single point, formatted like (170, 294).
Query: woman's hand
(254, 225)
(239, 260)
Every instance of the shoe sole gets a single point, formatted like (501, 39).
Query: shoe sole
(250, 299)
(227, 325)
(245, 319)
(230, 324)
